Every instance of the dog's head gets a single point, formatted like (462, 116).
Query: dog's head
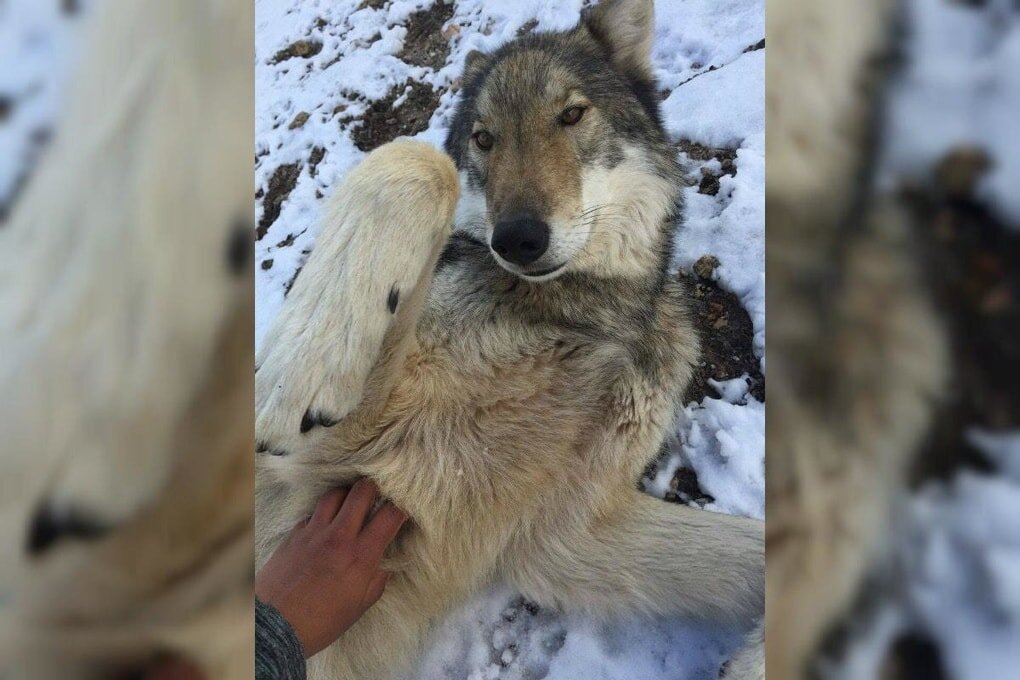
(562, 154)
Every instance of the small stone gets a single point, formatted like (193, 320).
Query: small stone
(302, 48)
(267, 264)
(299, 120)
(959, 171)
(706, 265)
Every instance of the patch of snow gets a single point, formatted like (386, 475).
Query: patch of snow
(961, 86)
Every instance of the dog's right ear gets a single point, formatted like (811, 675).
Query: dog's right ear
(625, 28)
(474, 63)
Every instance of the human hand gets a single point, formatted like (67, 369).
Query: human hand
(326, 574)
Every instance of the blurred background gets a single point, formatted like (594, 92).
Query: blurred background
(893, 232)
(893, 236)
(126, 339)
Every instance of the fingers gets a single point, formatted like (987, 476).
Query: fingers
(381, 530)
(328, 507)
(352, 514)
(376, 588)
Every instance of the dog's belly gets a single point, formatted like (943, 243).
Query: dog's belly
(491, 445)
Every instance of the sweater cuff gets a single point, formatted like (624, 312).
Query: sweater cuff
(278, 652)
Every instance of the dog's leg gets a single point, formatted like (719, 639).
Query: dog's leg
(649, 556)
(374, 255)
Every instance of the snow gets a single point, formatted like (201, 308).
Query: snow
(961, 86)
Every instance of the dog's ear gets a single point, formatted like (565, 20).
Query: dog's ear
(474, 62)
(625, 28)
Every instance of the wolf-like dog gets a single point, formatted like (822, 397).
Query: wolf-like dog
(496, 342)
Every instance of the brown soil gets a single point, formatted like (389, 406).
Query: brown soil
(282, 182)
(727, 338)
(383, 123)
(424, 44)
(972, 258)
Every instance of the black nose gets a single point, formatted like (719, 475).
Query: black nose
(520, 240)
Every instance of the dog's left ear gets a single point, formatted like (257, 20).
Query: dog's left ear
(625, 28)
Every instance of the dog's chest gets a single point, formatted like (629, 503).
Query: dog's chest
(495, 391)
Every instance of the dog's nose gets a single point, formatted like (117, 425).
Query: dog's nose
(520, 240)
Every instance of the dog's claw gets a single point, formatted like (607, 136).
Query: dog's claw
(50, 525)
(307, 422)
(310, 420)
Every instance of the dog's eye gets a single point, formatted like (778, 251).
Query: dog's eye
(572, 115)
(483, 139)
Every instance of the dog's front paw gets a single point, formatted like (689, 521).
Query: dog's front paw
(302, 383)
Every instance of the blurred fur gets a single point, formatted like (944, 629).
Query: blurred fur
(856, 355)
(126, 322)
(511, 418)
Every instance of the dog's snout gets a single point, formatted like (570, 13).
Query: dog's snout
(521, 240)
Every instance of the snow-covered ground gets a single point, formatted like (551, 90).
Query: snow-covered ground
(708, 57)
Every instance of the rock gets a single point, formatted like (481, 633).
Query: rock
(706, 265)
(299, 120)
(302, 48)
(282, 182)
(958, 172)
(314, 158)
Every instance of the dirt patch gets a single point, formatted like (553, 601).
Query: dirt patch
(424, 44)
(6, 107)
(383, 123)
(282, 182)
(300, 49)
(727, 338)
(527, 28)
(972, 258)
(684, 488)
(709, 180)
(913, 656)
(314, 158)
(760, 45)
